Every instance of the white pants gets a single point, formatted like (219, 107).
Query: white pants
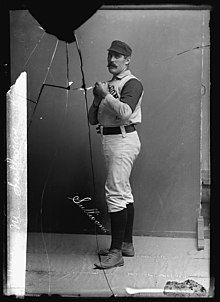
(120, 152)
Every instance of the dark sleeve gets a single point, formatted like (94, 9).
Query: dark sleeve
(93, 120)
(131, 93)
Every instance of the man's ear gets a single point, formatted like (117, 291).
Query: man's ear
(128, 59)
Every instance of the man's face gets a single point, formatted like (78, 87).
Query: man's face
(117, 62)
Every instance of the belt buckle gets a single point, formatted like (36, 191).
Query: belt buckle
(99, 129)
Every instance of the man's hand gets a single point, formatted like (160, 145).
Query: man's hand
(101, 89)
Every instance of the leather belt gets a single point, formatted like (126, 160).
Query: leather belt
(117, 130)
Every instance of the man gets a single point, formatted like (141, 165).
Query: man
(117, 108)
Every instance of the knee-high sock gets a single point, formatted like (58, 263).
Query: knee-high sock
(118, 224)
(129, 225)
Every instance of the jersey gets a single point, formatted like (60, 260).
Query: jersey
(112, 112)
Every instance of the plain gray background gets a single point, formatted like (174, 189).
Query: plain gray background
(166, 176)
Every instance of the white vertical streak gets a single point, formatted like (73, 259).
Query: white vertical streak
(17, 186)
(204, 99)
(205, 83)
(201, 111)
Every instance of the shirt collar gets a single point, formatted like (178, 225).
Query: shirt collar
(122, 75)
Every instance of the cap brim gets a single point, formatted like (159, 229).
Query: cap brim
(115, 50)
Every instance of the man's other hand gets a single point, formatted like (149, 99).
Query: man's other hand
(101, 89)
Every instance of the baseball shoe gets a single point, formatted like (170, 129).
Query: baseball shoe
(114, 259)
(127, 250)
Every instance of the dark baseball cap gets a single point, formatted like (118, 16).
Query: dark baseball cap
(120, 47)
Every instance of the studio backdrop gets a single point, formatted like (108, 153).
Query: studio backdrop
(170, 57)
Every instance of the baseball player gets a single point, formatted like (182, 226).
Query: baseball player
(116, 109)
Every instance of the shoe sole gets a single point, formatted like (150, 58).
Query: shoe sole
(127, 255)
(103, 267)
(123, 254)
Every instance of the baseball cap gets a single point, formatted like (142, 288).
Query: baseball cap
(120, 47)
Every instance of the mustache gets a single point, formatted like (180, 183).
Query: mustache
(111, 65)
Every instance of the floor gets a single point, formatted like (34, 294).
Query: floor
(64, 264)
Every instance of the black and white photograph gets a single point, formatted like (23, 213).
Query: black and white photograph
(108, 150)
